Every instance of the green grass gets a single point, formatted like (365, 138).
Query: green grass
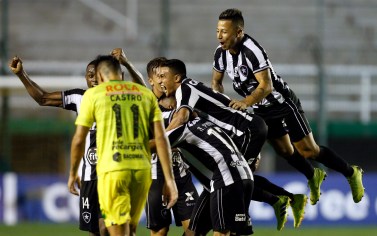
(36, 229)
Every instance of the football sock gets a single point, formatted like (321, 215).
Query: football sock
(301, 164)
(271, 187)
(333, 161)
(261, 195)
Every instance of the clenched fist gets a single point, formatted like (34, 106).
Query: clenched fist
(15, 65)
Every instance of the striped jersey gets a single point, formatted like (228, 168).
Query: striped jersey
(252, 58)
(213, 106)
(72, 101)
(207, 149)
(180, 168)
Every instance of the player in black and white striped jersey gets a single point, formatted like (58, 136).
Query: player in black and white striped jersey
(158, 217)
(220, 167)
(254, 78)
(90, 215)
(248, 131)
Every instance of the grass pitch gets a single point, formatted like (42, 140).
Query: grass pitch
(37, 229)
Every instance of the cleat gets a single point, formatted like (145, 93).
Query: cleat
(315, 185)
(280, 208)
(356, 184)
(298, 208)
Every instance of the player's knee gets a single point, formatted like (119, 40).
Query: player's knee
(309, 153)
(285, 152)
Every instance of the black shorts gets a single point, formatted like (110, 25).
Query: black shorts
(200, 221)
(230, 208)
(285, 118)
(255, 135)
(89, 206)
(158, 216)
(224, 209)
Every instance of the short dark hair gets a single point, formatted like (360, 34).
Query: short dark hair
(177, 66)
(234, 15)
(154, 63)
(111, 61)
(93, 62)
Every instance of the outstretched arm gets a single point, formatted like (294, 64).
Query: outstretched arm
(136, 76)
(39, 95)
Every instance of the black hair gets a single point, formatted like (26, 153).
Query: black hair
(110, 60)
(93, 62)
(154, 63)
(234, 15)
(177, 67)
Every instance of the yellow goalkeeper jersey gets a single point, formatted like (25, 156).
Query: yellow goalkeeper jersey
(124, 112)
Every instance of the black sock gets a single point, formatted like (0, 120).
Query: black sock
(263, 196)
(301, 164)
(271, 187)
(333, 161)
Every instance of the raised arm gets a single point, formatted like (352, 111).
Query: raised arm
(136, 76)
(39, 95)
(164, 155)
(217, 81)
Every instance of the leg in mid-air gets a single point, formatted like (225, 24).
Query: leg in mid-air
(324, 155)
(315, 176)
(280, 199)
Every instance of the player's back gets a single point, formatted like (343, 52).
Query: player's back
(208, 149)
(213, 106)
(123, 112)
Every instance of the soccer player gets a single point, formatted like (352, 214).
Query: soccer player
(212, 153)
(90, 216)
(158, 218)
(124, 113)
(246, 130)
(248, 66)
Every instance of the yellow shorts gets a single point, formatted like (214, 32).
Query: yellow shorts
(122, 195)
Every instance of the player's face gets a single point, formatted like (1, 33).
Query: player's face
(167, 80)
(155, 82)
(227, 34)
(90, 76)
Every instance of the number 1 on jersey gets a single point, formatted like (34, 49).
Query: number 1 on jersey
(118, 119)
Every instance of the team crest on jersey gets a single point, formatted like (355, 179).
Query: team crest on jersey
(91, 156)
(86, 216)
(243, 70)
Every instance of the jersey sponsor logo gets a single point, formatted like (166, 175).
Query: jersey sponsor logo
(119, 145)
(86, 216)
(176, 158)
(118, 157)
(121, 87)
(240, 217)
(91, 156)
(238, 163)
